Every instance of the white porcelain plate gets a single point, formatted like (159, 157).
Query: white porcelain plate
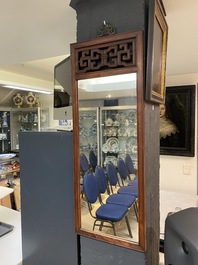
(7, 156)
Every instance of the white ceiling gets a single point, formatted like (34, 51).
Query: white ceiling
(182, 43)
(40, 69)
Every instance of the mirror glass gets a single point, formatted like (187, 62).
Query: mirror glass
(108, 129)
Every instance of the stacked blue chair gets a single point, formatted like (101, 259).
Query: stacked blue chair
(130, 165)
(127, 190)
(105, 213)
(84, 167)
(122, 169)
(84, 164)
(93, 160)
(120, 199)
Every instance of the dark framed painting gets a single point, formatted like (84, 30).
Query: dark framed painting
(156, 53)
(177, 121)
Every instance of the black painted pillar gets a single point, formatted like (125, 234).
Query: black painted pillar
(126, 15)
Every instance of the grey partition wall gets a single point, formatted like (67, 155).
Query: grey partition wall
(47, 199)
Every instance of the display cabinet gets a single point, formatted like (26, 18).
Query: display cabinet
(28, 119)
(111, 132)
(5, 134)
(118, 127)
(89, 131)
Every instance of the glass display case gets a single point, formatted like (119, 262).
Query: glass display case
(118, 133)
(89, 131)
(28, 119)
(5, 142)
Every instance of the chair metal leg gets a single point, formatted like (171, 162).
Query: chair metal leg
(135, 210)
(128, 226)
(101, 225)
(122, 182)
(94, 224)
(113, 226)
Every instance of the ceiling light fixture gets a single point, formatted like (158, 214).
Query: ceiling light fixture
(108, 83)
(29, 88)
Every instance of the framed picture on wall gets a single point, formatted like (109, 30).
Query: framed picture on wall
(177, 121)
(156, 53)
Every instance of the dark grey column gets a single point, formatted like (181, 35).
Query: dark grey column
(47, 198)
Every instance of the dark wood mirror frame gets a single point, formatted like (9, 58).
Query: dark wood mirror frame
(135, 41)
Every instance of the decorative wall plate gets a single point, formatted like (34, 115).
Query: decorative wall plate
(122, 132)
(121, 117)
(113, 159)
(131, 132)
(105, 148)
(81, 129)
(30, 99)
(108, 122)
(113, 144)
(94, 130)
(131, 116)
(7, 156)
(18, 100)
(130, 143)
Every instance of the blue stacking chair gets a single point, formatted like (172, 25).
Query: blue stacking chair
(93, 160)
(84, 167)
(105, 213)
(123, 171)
(130, 189)
(84, 164)
(127, 190)
(124, 174)
(130, 165)
(112, 176)
(120, 199)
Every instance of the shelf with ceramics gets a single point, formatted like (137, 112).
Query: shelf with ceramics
(88, 128)
(118, 133)
(111, 132)
(28, 119)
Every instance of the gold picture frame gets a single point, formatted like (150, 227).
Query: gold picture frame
(156, 53)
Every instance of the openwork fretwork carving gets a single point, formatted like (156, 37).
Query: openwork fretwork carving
(103, 57)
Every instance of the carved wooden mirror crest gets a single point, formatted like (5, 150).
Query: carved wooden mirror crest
(107, 99)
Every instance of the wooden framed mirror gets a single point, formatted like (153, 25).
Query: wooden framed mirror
(108, 119)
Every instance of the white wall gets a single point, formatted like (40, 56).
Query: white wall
(172, 176)
(37, 29)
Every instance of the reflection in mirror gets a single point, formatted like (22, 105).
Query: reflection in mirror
(108, 136)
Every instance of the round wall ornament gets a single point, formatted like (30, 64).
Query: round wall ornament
(18, 100)
(30, 99)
